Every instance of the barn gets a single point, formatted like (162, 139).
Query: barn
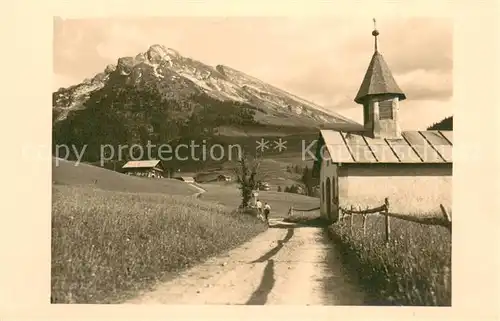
(224, 178)
(144, 168)
(187, 179)
(362, 165)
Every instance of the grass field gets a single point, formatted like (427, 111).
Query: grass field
(66, 173)
(413, 269)
(271, 170)
(124, 234)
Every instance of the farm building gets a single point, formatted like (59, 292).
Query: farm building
(187, 179)
(224, 178)
(144, 168)
(362, 165)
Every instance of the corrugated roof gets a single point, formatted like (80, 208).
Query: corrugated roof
(421, 146)
(336, 146)
(360, 150)
(141, 164)
(414, 147)
(378, 80)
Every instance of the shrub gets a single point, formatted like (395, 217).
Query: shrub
(296, 189)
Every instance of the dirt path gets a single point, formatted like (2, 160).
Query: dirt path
(200, 190)
(284, 265)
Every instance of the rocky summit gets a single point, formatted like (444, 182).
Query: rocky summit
(161, 95)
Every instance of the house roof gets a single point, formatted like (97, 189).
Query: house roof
(378, 80)
(431, 146)
(141, 164)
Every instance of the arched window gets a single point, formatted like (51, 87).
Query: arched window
(323, 191)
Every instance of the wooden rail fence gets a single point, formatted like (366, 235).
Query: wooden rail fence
(384, 209)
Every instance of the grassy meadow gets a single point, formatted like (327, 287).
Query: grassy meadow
(107, 244)
(414, 268)
(228, 195)
(66, 173)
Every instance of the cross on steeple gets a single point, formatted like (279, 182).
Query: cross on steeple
(375, 33)
(379, 94)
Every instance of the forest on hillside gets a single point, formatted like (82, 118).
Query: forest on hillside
(445, 124)
(134, 115)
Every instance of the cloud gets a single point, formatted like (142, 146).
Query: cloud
(75, 42)
(59, 81)
(418, 52)
(122, 40)
(409, 44)
(422, 84)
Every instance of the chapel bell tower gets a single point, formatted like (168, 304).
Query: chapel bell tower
(380, 95)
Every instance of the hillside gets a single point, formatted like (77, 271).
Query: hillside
(161, 96)
(66, 173)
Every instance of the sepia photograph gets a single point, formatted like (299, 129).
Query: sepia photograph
(252, 161)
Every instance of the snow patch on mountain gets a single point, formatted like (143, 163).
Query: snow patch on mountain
(221, 82)
(72, 98)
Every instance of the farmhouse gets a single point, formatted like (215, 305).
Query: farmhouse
(144, 168)
(187, 179)
(224, 178)
(362, 165)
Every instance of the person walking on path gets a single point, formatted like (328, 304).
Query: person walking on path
(267, 210)
(259, 208)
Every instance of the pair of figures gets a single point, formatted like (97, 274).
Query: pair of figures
(266, 209)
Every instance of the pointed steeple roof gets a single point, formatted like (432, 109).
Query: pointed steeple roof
(378, 78)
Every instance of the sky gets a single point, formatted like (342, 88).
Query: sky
(321, 59)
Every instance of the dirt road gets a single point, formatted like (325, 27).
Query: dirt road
(284, 265)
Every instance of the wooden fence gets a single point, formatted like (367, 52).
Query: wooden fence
(384, 209)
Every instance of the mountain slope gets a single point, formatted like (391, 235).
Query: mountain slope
(161, 96)
(165, 65)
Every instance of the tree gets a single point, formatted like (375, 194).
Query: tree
(307, 180)
(279, 188)
(246, 174)
(445, 124)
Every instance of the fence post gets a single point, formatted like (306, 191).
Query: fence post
(446, 215)
(350, 215)
(365, 217)
(364, 224)
(387, 221)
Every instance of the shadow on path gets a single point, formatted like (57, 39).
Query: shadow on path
(277, 248)
(259, 297)
(307, 222)
(311, 223)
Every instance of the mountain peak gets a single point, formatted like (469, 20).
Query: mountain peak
(179, 77)
(158, 53)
